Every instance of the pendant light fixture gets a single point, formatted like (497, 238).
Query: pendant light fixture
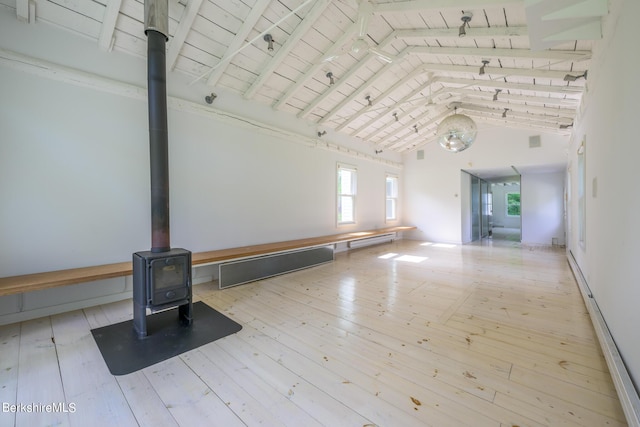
(456, 132)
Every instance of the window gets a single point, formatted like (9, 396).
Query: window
(347, 179)
(392, 198)
(513, 204)
(582, 180)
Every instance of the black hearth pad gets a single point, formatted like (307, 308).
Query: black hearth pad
(124, 353)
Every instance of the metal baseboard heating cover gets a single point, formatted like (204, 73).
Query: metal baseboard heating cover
(360, 243)
(251, 269)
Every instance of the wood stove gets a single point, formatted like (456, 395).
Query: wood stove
(160, 281)
(161, 276)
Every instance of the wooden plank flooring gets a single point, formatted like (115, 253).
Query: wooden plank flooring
(488, 334)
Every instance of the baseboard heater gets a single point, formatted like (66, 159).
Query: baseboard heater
(247, 270)
(627, 393)
(360, 243)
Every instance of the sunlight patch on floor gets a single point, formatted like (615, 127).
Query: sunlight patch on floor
(387, 256)
(443, 245)
(411, 258)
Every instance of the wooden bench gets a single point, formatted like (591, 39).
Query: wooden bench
(51, 279)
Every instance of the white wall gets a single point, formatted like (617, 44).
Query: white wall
(466, 218)
(74, 174)
(74, 180)
(542, 208)
(609, 123)
(433, 185)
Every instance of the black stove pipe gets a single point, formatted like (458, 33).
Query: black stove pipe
(162, 276)
(156, 25)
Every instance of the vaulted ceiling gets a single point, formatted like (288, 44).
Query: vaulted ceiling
(381, 70)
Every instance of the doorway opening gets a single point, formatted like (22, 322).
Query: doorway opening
(507, 220)
(492, 208)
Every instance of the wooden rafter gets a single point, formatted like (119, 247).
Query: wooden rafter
(249, 22)
(108, 28)
(421, 5)
(384, 95)
(317, 66)
(22, 10)
(186, 21)
(309, 19)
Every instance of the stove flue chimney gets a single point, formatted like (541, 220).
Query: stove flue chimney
(162, 276)
(156, 20)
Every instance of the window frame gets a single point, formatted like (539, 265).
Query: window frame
(582, 190)
(506, 204)
(392, 198)
(352, 194)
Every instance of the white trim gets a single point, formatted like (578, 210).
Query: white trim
(627, 393)
(354, 195)
(388, 175)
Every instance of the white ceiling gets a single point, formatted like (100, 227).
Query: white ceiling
(396, 105)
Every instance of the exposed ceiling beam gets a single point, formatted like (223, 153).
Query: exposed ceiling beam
(506, 72)
(473, 33)
(406, 135)
(363, 88)
(318, 65)
(569, 91)
(22, 10)
(108, 27)
(386, 112)
(353, 71)
(414, 138)
(554, 21)
(419, 70)
(432, 113)
(313, 104)
(550, 115)
(521, 72)
(385, 116)
(390, 142)
(293, 38)
(250, 42)
(538, 115)
(429, 109)
(186, 21)
(573, 9)
(555, 55)
(413, 141)
(422, 5)
(416, 101)
(493, 106)
(530, 121)
(569, 103)
(249, 22)
(426, 33)
(425, 134)
(383, 95)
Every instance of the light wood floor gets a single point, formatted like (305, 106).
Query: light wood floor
(488, 334)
